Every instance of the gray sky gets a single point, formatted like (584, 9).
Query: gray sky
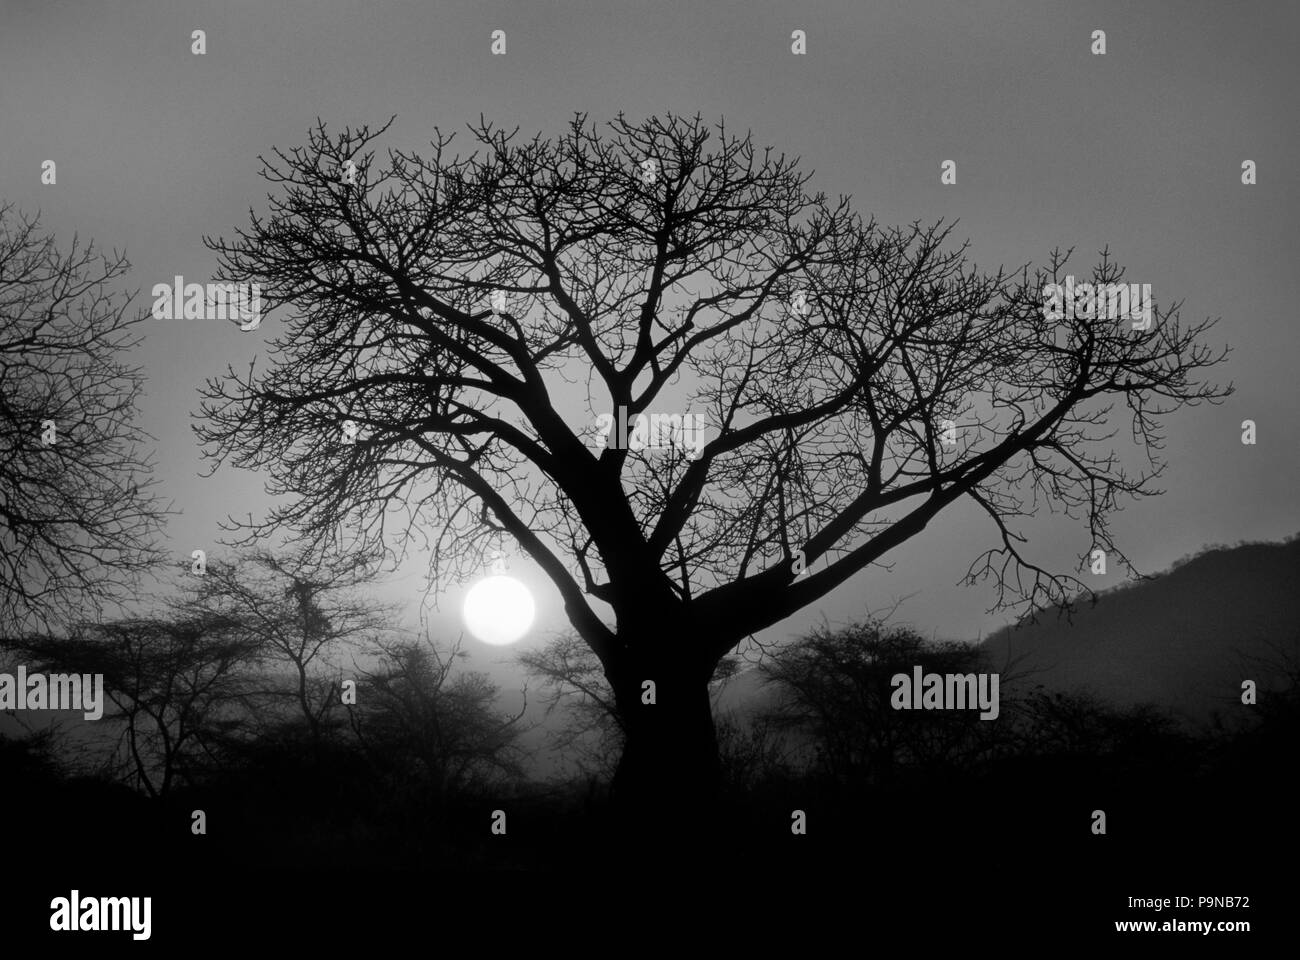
(1140, 149)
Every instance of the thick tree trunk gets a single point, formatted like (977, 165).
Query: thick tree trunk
(665, 788)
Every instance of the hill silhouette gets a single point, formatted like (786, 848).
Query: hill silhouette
(1183, 640)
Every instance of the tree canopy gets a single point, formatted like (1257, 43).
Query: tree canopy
(78, 516)
(451, 330)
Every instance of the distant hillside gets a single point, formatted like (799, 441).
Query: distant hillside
(1178, 640)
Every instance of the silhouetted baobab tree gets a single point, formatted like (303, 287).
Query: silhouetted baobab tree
(78, 519)
(573, 680)
(446, 305)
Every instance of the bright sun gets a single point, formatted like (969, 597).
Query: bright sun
(498, 610)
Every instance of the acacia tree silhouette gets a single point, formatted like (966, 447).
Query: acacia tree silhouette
(444, 304)
(301, 614)
(173, 682)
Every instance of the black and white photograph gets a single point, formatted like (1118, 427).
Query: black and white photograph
(647, 476)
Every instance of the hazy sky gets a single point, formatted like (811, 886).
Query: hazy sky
(1140, 149)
